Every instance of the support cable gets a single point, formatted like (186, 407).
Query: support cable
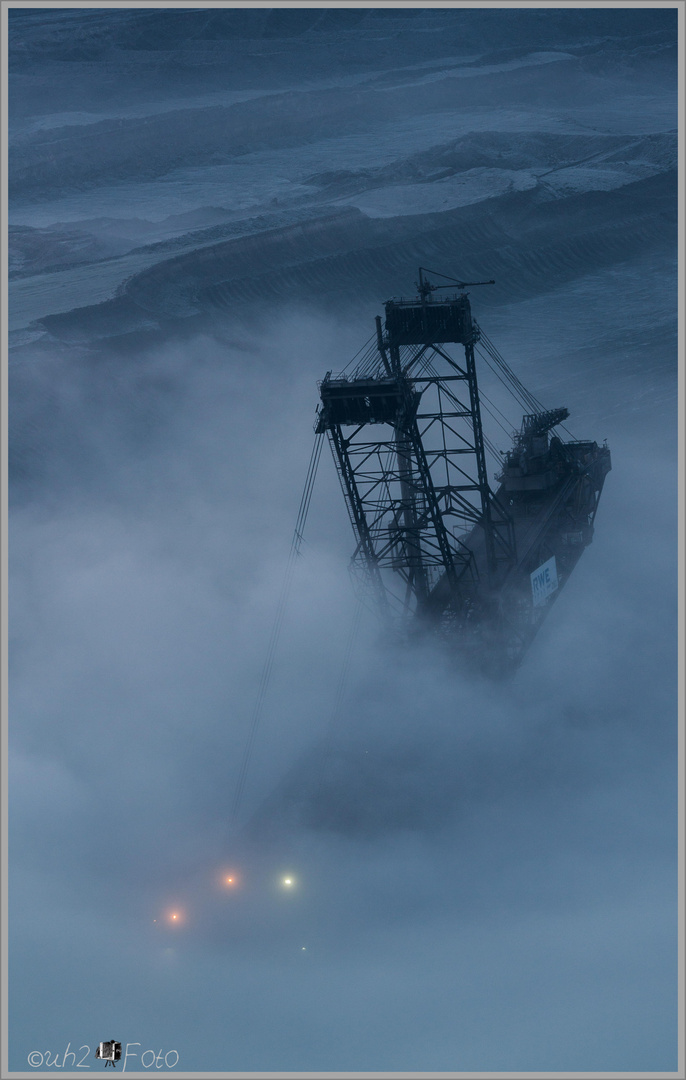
(518, 389)
(509, 373)
(265, 677)
(526, 400)
(339, 697)
(363, 349)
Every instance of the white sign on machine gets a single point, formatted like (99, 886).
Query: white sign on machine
(544, 581)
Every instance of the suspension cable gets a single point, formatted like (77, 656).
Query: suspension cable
(507, 376)
(265, 677)
(517, 388)
(339, 697)
(364, 349)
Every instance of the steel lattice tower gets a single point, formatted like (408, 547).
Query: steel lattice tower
(406, 435)
(438, 547)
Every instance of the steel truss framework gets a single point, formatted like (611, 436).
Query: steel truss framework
(433, 541)
(413, 472)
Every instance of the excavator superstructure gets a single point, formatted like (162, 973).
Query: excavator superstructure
(442, 551)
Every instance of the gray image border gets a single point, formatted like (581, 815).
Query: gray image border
(5, 6)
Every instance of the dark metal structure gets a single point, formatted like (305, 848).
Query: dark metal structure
(440, 549)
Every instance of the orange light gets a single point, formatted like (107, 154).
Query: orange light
(230, 879)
